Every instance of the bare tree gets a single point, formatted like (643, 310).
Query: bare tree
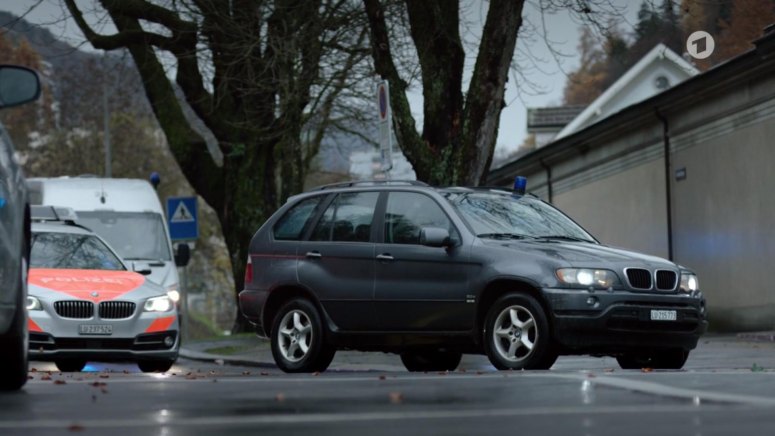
(266, 77)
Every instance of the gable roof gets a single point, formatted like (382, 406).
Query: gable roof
(657, 54)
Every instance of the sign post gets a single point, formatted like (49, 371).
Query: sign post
(183, 225)
(385, 122)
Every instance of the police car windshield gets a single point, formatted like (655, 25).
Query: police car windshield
(71, 251)
(134, 235)
(499, 214)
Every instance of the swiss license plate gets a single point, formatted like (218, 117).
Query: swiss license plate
(664, 315)
(95, 329)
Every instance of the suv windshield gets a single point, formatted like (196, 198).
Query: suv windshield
(505, 216)
(134, 235)
(71, 251)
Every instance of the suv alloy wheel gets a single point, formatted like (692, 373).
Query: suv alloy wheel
(298, 339)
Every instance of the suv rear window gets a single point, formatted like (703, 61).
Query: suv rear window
(348, 218)
(292, 224)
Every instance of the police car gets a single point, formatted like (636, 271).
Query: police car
(84, 304)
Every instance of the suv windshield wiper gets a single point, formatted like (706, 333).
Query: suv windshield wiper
(566, 238)
(505, 236)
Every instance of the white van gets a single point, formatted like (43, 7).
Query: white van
(125, 212)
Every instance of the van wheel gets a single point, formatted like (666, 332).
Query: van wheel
(516, 334)
(155, 365)
(673, 358)
(14, 343)
(70, 365)
(298, 339)
(430, 360)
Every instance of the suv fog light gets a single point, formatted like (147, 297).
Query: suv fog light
(168, 341)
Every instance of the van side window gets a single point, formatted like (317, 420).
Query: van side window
(292, 224)
(408, 212)
(348, 218)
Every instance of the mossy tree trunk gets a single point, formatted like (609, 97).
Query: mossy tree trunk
(247, 69)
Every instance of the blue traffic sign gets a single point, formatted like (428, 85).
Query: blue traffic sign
(182, 218)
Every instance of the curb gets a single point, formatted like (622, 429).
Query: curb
(758, 336)
(224, 360)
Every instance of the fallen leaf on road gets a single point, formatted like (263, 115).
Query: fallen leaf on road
(245, 372)
(609, 370)
(219, 361)
(280, 397)
(461, 370)
(316, 373)
(215, 380)
(212, 372)
(647, 370)
(33, 369)
(98, 384)
(104, 376)
(191, 377)
(382, 377)
(46, 377)
(59, 382)
(75, 427)
(264, 373)
(479, 372)
(396, 397)
(126, 371)
(103, 390)
(590, 375)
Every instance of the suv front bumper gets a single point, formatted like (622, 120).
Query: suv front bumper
(604, 322)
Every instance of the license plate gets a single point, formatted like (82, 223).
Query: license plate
(95, 329)
(664, 315)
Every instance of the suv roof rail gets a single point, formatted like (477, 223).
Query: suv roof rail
(52, 213)
(352, 183)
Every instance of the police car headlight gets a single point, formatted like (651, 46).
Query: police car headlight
(173, 293)
(586, 277)
(33, 303)
(689, 282)
(158, 304)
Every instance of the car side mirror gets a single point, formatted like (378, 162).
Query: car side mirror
(435, 237)
(182, 255)
(18, 85)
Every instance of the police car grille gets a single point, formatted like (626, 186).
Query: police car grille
(639, 278)
(74, 309)
(116, 309)
(666, 280)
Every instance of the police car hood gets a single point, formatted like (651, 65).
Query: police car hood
(91, 285)
(584, 254)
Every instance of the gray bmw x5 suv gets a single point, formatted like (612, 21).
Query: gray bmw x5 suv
(432, 273)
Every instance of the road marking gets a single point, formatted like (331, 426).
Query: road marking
(320, 418)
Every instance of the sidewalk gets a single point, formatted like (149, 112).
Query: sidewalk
(245, 350)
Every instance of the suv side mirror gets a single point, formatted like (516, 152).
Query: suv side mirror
(435, 237)
(18, 85)
(182, 255)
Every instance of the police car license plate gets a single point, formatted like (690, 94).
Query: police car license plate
(95, 329)
(664, 315)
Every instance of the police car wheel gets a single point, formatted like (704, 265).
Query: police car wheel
(298, 339)
(70, 365)
(516, 334)
(13, 366)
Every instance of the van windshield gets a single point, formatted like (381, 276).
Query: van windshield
(134, 235)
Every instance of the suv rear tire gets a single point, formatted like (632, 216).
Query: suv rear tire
(671, 358)
(430, 360)
(298, 339)
(516, 334)
(13, 368)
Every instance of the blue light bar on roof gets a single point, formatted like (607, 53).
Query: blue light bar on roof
(520, 185)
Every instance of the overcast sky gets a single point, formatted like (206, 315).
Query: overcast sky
(545, 71)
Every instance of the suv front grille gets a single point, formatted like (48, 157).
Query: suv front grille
(666, 280)
(116, 309)
(74, 309)
(639, 278)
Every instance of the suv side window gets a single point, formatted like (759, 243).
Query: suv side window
(408, 212)
(292, 224)
(348, 218)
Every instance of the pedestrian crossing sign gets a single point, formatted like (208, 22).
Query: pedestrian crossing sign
(182, 218)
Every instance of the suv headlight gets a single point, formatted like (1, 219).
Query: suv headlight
(586, 277)
(33, 303)
(158, 304)
(689, 282)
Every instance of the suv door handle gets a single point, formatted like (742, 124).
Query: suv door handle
(314, 254)
(384, 256)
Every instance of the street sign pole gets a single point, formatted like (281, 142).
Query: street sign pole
(183, 225)
(385, 122)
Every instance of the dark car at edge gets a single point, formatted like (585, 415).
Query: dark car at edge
(434, 273)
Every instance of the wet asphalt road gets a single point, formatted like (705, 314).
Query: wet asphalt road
(720, 392)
